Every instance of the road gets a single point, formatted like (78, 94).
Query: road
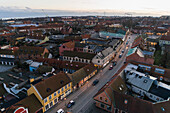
(84, 96)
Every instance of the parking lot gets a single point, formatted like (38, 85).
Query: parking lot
(4, 68)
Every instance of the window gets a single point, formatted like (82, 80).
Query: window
(45, 100)
(105, 99)
(55, 101)
(47, 107)
(98, 61)
(63, 46)
(58, 91)
(62, 89)
(108, 108)
(66, 87)
(55, 94)
(50, 97)
(102, 105)
(123, 112)
(161, 71)
(100, 98)
(151, 96)
(69, 85)
(51, 104)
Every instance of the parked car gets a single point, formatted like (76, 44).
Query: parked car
(71, 103)
(95, 82)
(114, 63)
(60, 111)
(120, 55)
(111, 67)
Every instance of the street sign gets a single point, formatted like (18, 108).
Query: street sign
(21, 110)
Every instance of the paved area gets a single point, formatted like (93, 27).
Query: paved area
(4, 68)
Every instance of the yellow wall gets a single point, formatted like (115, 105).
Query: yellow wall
(31, 90)
(54, 97)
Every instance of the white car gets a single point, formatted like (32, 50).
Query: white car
(60, 111)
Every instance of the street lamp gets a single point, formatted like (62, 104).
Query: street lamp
(65, 100)
(87, 83)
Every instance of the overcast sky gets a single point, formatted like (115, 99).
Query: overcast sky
(139, 6)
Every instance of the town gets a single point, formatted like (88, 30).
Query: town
(85, 64)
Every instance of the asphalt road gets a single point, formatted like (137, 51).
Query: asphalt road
(83, 97)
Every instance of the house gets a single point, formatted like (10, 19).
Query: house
(51, 90)
(137, 55)
(164, 40)
(68, 46)
(104, 98)
(104, 57)
(34, 66)
(152, 41)
(30, 104)
(120, 96)
(7, 57)
(78, 56)
(29, 52)
(81, 76)
(138, 42)
(71, 67)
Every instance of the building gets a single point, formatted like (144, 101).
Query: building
(51, 90)
(29, 52)
(68, 46)
(81, 76)
(7, 57)
(29, 104)
(121, 93)
(104, 57)
(164, 40)
(71, 67)
(34, 66)
(75, 56)
(137, 55)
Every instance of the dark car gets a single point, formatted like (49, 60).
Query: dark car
(71, 103)
(114, 63)
(95, 82)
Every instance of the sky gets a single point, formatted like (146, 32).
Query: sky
(80, 7)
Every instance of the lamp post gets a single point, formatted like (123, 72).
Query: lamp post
(65, 100)
(87, 83)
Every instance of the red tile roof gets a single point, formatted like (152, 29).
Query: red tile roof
(135, 57)
(167, 38)
(136, 42)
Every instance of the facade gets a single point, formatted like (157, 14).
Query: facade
(51, 90)
(104, 57)
(81, 76)
(28, 52)
(164, 40)
(75, 56)
(69, 46)
(7, 57)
